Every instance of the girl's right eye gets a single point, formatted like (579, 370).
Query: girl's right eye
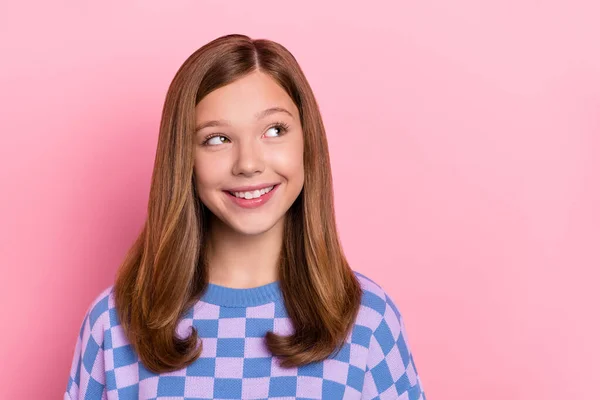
(215, 142)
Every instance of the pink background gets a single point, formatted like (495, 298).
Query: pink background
(465, 146)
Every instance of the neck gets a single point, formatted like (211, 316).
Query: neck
(242, 261)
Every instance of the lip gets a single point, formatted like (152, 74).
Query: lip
(252, 203)
(251, 188)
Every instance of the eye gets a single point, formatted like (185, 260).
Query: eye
(283, 128)
(217, 141)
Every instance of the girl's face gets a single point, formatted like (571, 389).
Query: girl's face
(249, 135)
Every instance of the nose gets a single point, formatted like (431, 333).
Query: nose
(249, 158)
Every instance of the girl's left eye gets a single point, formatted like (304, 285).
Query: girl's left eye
(283, 128)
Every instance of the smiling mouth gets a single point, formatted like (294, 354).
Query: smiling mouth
(252, 194)
(253, 199)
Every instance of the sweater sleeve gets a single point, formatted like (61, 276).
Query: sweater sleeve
(87, 376)
(391, 371)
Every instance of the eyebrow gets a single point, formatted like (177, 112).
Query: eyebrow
(259, 115)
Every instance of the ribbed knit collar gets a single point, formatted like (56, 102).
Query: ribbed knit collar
(233, 297)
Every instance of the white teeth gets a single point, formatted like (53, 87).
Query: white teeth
(254, 194)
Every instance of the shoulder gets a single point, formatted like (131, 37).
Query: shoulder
(87, 366)
(97, 317)
(390, 370)
(377, 306)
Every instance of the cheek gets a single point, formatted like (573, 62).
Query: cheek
(206, 176)
(289, 161)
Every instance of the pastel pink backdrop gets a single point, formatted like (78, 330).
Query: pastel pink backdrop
(465, 144)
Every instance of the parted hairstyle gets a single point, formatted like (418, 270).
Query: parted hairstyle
(164, 273)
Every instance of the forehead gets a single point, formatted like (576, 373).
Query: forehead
(243, 98)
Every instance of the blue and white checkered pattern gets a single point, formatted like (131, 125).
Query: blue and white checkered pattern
(374, 363)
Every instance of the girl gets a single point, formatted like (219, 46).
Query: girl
(237, 287)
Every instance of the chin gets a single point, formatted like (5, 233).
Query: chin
(251, 228)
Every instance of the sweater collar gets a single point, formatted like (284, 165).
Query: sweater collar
(247, 297)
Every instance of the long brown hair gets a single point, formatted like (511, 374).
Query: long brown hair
(164, 272)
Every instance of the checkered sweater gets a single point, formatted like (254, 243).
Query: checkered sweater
(374, 363)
